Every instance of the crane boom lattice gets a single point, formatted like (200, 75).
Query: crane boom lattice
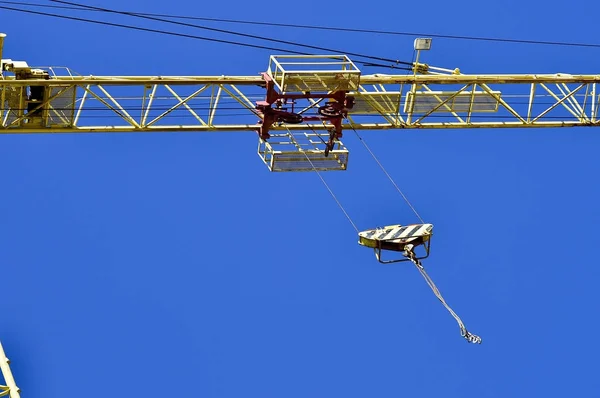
(74, 104)
(306, 99)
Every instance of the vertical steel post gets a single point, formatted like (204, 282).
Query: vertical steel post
(2, 36)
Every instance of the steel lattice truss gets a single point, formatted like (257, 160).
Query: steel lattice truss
(78, 104)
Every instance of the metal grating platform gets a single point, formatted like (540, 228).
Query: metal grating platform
(57, 111)
(376, 103)
(314, 73)
(61, 110)
(12, 107)
(427, 101)
(301, 152)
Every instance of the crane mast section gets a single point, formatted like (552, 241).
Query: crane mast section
(43, 101)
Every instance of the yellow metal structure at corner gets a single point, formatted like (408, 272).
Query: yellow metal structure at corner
(9, 389)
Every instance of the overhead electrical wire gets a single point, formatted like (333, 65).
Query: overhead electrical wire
(329, 28)
(68, 17)
(108, 10)
(178, 34)
(170, 33)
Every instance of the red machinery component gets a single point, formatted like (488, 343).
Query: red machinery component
(275, 110)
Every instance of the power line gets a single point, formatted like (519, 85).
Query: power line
(205, 38)
(108, 10)
(166, 32)
(340, 29)
(147, 29)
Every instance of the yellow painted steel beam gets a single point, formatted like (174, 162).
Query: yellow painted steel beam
(470, 79)
(135, 80)
(10, 388)
(258, 80)
(304, 127)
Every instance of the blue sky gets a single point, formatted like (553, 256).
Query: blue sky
(147, 264)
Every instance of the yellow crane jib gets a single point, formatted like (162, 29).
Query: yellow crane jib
(309, 101)
(398, 238)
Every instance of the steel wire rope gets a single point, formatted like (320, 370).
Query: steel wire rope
(383, 168)
(108, 10)
(332, 28)
(471, 338)
(160, 31)
(68, 17)
(387, 174)
(207, 38)
(230, 103)
(324, 182)
(114, 113)
(409, 253)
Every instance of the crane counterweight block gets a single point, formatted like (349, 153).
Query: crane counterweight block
(397, 238)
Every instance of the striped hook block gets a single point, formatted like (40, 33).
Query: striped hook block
(396, 237)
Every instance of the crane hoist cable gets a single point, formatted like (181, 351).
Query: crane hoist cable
(386, 173)
(410, 236)
(409, 253)
(471, 338)
(325, 183)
